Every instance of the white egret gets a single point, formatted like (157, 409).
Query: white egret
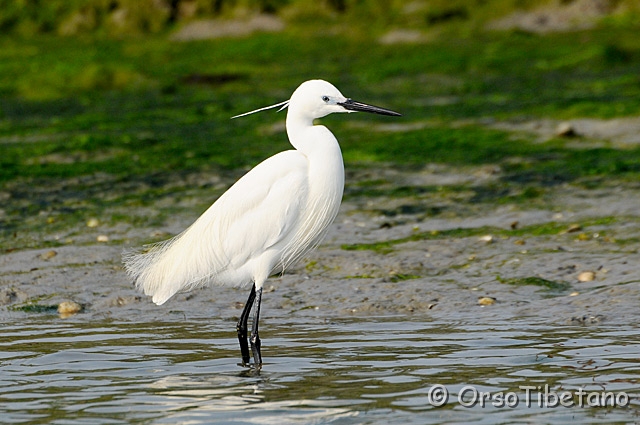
(267, 220)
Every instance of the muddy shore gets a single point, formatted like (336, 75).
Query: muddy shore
(584, 273)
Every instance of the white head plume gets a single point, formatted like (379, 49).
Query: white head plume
(283, 104)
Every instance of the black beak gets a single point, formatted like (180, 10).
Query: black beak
(352, 105)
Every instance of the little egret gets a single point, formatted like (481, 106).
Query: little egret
(267, 220)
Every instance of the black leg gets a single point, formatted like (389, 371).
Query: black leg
(255, 338)
(241, 327)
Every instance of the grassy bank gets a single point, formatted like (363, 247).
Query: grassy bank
(91, 123)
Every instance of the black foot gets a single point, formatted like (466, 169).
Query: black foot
(241, 327)
(255, 338)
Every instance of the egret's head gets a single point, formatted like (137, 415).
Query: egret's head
(318, 98)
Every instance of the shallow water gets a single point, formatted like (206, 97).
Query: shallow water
(380, 370)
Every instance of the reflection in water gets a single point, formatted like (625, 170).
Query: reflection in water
(384, 370)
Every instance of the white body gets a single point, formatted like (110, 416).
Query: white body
(268, 219)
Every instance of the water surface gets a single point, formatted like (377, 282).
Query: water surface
(344, 371)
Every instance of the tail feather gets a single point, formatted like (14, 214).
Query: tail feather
(179, 264)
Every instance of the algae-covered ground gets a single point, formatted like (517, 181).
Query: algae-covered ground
(508, 188)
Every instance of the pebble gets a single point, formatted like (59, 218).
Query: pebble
(574, 228)
(486, 238)
(93, 222)
(48, 255)
(566, 129)
(586, 276)
(486, 300)
(102, 238)
(583, 237)
(68, 308)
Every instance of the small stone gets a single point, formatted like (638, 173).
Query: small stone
(574, 228)
(586, 276)
(486, 300)
(93, 222)
(583, 237)
(566, 129)
(574, 294)
(102, 238)
(68, 308)
(486, 238)
(48, 255)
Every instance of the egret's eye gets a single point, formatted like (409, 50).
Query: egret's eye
(325, 98)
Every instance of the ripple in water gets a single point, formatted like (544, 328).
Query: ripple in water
(356, 371)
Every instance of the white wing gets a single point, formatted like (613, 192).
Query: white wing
(240, 238)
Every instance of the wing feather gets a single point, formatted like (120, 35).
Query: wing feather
(259, 212)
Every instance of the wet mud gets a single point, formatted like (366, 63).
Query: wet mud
(571, 259)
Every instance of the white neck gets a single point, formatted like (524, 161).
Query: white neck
(297, 126)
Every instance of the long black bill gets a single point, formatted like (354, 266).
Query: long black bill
(352, 105)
